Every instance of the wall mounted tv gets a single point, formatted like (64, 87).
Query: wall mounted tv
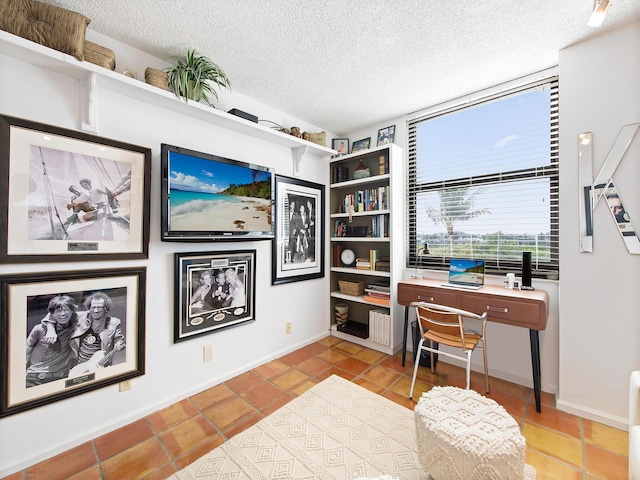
(206, 197)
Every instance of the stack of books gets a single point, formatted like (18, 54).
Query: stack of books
(363, 263)
(380, 326)
(337, 251)
(384, 264)
(339, 174)
(378, 292)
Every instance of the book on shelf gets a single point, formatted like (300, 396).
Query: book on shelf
(379, 286)
(363, 263)
(374, 256)
(383, 266)
(337, 251)
(380, 326)
(377, 293)
(380, 301)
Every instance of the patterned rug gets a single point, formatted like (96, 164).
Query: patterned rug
(336, 430)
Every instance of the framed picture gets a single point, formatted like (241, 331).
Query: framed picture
(386, 135)
(361, 145)
(298, 249)
(67, 333)
(67, 195)
(341, 145)
(213, 291)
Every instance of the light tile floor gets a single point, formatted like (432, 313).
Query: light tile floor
(559, 445)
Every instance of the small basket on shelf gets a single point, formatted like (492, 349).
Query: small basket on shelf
(351, 288)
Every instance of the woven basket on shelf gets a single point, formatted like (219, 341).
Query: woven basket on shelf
(157, 78)
(99, 55)
(351, 288)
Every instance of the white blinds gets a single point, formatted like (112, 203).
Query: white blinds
(483, 182)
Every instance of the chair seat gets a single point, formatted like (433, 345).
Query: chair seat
(471, 339)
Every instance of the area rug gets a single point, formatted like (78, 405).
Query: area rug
(336, 430)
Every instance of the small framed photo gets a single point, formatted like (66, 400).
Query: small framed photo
(67, 333)
(359, 145)
(213, 291)
(298, 249)
(341, 145)
(71, 196)
(386, 135)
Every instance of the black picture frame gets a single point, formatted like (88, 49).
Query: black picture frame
(360, 145)
(198, 312)
(386, 135)
(298, 248)
(53, 216)
(341, 145)
(26, 308)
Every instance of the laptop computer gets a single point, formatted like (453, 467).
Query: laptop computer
(465, 273)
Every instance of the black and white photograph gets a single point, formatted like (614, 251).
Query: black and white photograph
(68, 333)
(71, 194)
(299, 244)
(213, 291)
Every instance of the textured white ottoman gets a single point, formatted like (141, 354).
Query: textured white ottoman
(462, 435)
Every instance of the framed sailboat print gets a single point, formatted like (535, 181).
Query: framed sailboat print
(67, 195)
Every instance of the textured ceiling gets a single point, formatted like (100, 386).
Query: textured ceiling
(347, 64)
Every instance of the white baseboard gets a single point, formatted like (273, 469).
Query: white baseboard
(595, 415)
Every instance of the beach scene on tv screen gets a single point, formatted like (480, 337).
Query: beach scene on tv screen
(206, 195)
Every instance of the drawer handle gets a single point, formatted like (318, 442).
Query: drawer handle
(497, 309)
(428, 299)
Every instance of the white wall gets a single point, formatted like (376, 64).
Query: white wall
(599, 300)
(173, 371)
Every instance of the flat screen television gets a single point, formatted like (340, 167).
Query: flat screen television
(207, 197)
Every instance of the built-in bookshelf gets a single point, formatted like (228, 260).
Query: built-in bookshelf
(366, 217)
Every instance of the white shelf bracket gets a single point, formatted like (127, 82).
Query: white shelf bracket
(89, 103)
(298, 155)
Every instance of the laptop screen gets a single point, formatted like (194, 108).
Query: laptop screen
(466, 272)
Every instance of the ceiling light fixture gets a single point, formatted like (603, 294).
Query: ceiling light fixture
(600, 8)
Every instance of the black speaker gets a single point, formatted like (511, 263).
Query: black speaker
(526, 271)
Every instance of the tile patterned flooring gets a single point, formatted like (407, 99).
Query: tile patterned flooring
(559, 445)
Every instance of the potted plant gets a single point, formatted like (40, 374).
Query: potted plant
(195, 77)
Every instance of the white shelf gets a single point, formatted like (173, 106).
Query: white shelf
(91, 75)
(359, 299)
(361, 214)
(360, 239)
(361, 181)
(359, 271)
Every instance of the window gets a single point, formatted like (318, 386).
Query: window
(483, 182)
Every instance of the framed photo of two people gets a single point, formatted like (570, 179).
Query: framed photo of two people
(67, 333)
(71, 196)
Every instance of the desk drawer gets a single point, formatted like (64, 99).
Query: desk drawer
(408, 294)
(520, 313)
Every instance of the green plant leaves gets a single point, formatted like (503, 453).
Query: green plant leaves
(195, 78)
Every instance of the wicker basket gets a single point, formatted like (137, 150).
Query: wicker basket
(157, 78)
(99, 55)
(351, 288)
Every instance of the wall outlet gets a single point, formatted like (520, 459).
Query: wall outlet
(288, 328)
(125, 385)
(207, 353)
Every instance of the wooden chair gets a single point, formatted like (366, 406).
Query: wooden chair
(446, 325)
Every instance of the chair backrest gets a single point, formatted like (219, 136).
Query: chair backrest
(444, 319)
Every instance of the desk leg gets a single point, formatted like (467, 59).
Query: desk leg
(535, 364)
(404, 334)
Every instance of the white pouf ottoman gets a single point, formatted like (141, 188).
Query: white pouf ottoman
(462, 435)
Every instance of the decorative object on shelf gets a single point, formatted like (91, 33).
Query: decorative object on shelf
(361, 171)
(30, 301)
(245, 115)
(348, 257)
(99, 55)
(157, 78)
(319, 138)
(295, 131)
(360, 145)
(195, 77)
(213, 291)
(342, 313)
(341, 145)
(298, 249)
(386, 135)
(105, 217)
(54, 27)
(351, 288)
